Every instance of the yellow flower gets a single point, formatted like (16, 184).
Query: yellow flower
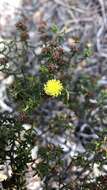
(53, 87)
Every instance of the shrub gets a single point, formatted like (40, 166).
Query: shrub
(56, 105)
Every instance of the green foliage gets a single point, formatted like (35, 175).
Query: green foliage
(54, 28)
(88, 51)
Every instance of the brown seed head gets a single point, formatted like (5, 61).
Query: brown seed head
(23, 118)
(21, 26)
(42, 26)
(24, 36)
(52, 67)
(45, 50)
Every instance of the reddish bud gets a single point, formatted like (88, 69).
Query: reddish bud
(56, 55)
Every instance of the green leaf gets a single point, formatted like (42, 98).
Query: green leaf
(87, 52)
(44, 69)
(43, 169)
(54, 28)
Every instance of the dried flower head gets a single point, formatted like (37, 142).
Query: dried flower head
(21, 26)
(24, 36)
(23, 118)
(56, 55)
(52, 67)
(53, 87)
